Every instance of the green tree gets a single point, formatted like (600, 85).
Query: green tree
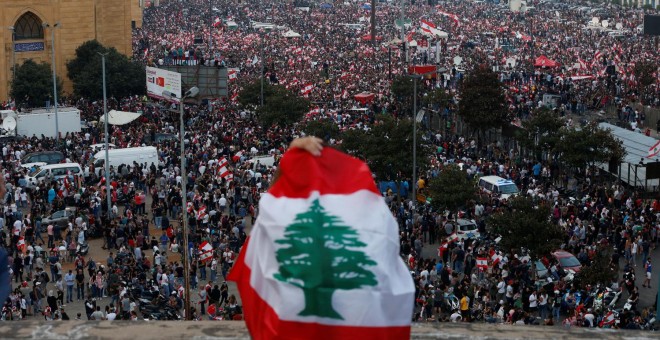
(437, 98)
(542, 131)
(451, 189)
(322, 128)
(587, 146)
(644, 71)
(483, 105)
(250, 95)
(281, 106)
(599, 270)
(123, 77)
(526, 225)
(320, 256)
(387, 147)
(402, 89)
(33, 85)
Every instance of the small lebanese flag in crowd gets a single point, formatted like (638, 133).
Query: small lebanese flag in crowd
(596, 58)
(21, 244)
(322, 260)
(452, 238)
(654, 150)
(428, 27)
(233, 74)
(410, 36)
(482, 263)
(205, 252)
(146, 52)
(307, 89)
(582, 63)
(217, 22)
(201, 212)
(223, 171)
(496, 259)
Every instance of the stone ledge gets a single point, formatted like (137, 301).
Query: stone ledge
(236, 330)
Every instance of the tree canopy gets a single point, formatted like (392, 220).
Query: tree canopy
(542, 132)
(123, 77)
(588, 145)
(451, 189)
(482, 104)
(526, 225)
(387, 147)
(33, 84)
(599, 270)
(281, 106)
(322, 128)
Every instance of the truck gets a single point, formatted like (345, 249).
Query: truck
(127, 156)
(41, 122)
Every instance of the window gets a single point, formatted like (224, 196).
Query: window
(29, 27)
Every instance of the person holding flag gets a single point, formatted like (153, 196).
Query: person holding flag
(324, 240)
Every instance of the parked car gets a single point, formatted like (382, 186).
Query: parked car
(567, 260)
(59, 217)
(466, 229)
(48, 157)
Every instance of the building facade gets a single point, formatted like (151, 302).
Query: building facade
(29, 28)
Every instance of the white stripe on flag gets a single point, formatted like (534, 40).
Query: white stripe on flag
(386, 304)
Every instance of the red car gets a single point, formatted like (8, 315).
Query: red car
(567, 260)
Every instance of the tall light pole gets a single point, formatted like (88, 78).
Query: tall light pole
(57, 120)
(414, 121)
(261, 96)
(107, 156)
(186, 272)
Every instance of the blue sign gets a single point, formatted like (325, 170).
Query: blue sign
(29, 47)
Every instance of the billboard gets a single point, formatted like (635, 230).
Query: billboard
(652, 25)
(159, 81)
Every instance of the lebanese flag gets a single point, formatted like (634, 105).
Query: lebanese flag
(324, 240)
(307, 89)
(410, 36)
(452, 238)
(428, 27)
(496, 259)
(232, 74)
(21, 244)
(201, 212)
(596, 58)
(482, 263)
(205, 252)
(223, 171)
(654, 150)
(217, 22)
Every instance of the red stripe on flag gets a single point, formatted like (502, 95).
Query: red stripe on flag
(263, 322)
(331, 173)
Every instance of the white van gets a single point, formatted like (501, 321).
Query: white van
(53, 171)
(140, 155)
(498, 185)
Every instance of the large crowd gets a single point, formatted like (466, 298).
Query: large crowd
(142, 231)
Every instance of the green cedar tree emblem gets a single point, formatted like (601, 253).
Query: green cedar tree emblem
(320, 257)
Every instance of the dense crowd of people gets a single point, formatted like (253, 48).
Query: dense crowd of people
(142, 230)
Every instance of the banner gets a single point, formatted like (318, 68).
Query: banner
(159, 81)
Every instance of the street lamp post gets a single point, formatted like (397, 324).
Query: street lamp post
(107, 156)
(261, 96)
(57, 120)
(414, 122)
(186, 271)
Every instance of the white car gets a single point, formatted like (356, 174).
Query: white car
(466, 229)
(101, 146)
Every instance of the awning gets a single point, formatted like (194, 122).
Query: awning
(543, 61)
(429, 70)
(119, 117)
(290, 34)
(365, 97)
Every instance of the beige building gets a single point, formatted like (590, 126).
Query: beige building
(27, 28)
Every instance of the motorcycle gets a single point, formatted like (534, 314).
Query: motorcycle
(82, 249)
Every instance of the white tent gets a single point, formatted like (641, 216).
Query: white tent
(290, 34)
(119, 117)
